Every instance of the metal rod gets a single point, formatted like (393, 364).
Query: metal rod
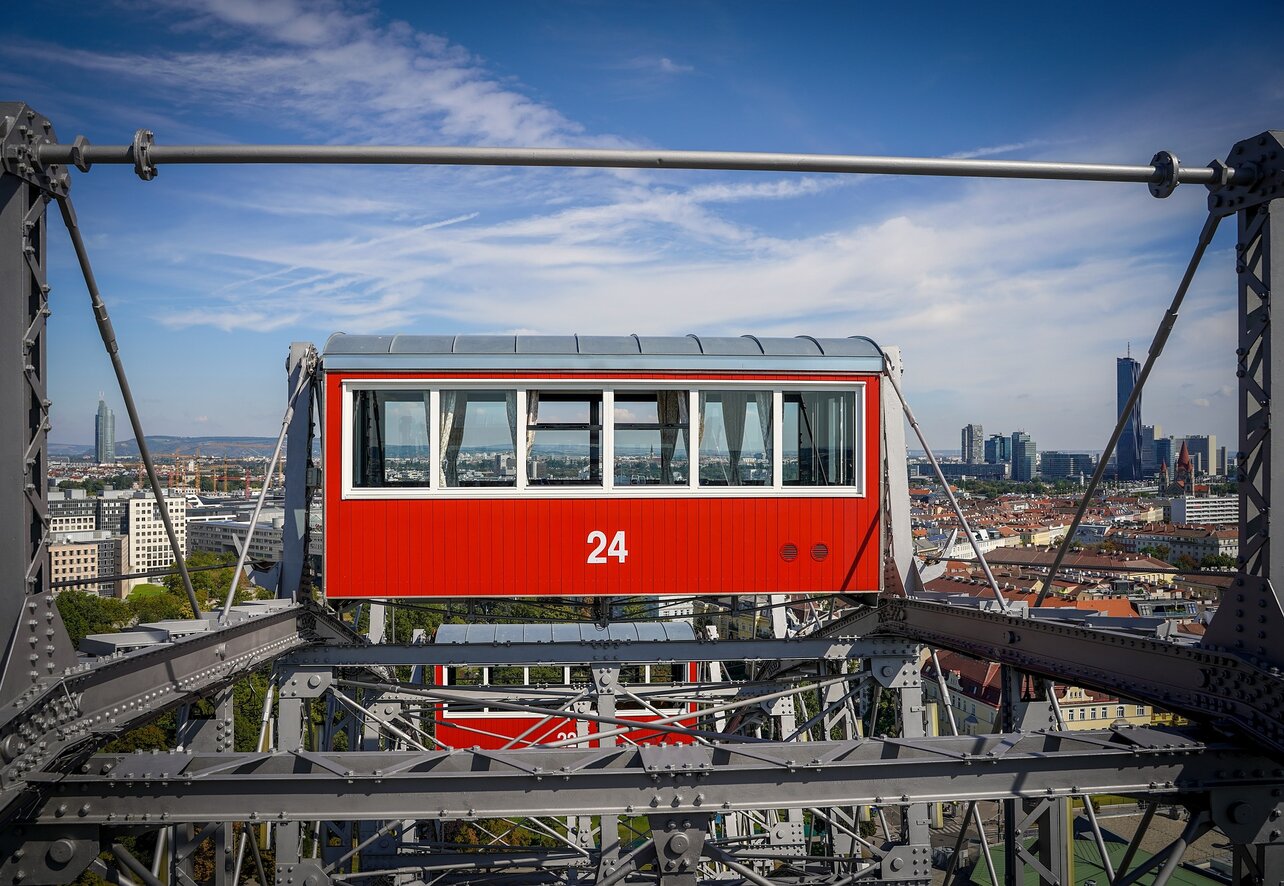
(256, 854)
(305, 376)
(125, 857)
(118, 576)
(1135, 842)
(725, 857)
(548, 718)
(334, 865)
(422, 155)
(108, 335)
(1169, 570)
(1152, 355)
(949, 493)
(1059, 718)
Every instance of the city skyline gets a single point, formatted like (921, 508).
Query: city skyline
(210, 275)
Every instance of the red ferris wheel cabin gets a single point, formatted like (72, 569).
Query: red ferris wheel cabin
(528, 466)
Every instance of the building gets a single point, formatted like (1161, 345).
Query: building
(975, 697)
(113, 510)
(148, 542)
(104, 433)
(87, 555)
(227, 536)
(1212, 509)
(1203, 453)
(1195, 542)
(1025, 457)
(70, 510)
(998, 449)
(1065, 465)
(1223, 462)
(955, 471)
(1128, 450)
(1150, 435)
(1165, 452)
(973, 448)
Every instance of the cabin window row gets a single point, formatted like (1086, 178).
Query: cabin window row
(475, 438)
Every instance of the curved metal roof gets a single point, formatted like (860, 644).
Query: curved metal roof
(856, 353)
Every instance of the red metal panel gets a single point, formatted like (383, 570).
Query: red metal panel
(693, 544)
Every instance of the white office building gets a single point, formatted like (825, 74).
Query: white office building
(1212, 509)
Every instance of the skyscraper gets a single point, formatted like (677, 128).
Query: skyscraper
(1149, 434)
(998, 449)
(1203, 452)
(1129, 449)
(104, 433)
(973, 448)
(1024, 456)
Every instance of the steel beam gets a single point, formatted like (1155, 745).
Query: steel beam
(307, 786)
(1194, 682)
(585, 653)
(145, 157)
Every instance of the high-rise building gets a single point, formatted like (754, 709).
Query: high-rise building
(1165, 452)
(973, 448)
(1129, 448)
(998, 449)
(1149, 435)
(1203, 453)
(148, 542)
(1024, 456)
(104, 433)
(1223, 465)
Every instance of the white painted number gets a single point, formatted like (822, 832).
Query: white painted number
(616, 549)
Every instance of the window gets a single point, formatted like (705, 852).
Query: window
(1141, 710)
(651, 429)
(564, 438)
(1119, 711)
(819, 438)
(735, 438)
(478, 438)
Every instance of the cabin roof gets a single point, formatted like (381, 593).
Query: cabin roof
(566, 632)
(803, 353)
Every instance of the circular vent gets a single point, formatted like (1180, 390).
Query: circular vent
(819, 552)
(789, 553)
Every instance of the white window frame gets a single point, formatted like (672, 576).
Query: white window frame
(608, 489)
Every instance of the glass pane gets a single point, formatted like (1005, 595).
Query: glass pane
(820, 438)
(564, 438)
(735, 438)
(651, 430)
(478, 438)
(390, 439)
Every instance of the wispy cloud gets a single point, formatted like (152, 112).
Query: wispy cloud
(995, 150)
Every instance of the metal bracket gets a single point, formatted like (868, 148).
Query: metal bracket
(1249, 815)
(306, 682)
(35, 854)
(1168, 166)
(679, 843)
(1263, 157)
(305, 873)
(141, 151)
(907, 863)
(22, 132)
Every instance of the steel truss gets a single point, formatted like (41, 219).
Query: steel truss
(809, 760)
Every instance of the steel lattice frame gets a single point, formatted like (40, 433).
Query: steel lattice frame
(749, 800)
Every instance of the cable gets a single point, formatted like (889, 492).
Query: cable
(1156, 348)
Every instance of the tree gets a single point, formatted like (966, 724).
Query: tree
(158, 603)
(1218, 561)
(84, 614)
(1187, 562)
(210, 584)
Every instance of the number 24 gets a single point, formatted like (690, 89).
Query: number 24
(616, 549)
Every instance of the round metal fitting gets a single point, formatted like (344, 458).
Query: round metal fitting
(62, 851)
(142, 153)
(1167, 165)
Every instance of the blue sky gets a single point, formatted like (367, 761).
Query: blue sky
(1010, 299)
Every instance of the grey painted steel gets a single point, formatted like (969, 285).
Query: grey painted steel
(1152, 355)
(600, 353)
(108, 335)
(298, 460)
(565, 632)
(283, 786)
(949, 492)
(625, 159)
(585, 652)
(94, 701)
(1203, 684)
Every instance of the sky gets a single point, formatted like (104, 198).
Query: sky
(1010, 300)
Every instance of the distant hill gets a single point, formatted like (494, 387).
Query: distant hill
(218, 447)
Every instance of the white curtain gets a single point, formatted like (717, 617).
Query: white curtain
(672, 410)
(764, 400)
(453, 405)
(734, 406)
(532, 416)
